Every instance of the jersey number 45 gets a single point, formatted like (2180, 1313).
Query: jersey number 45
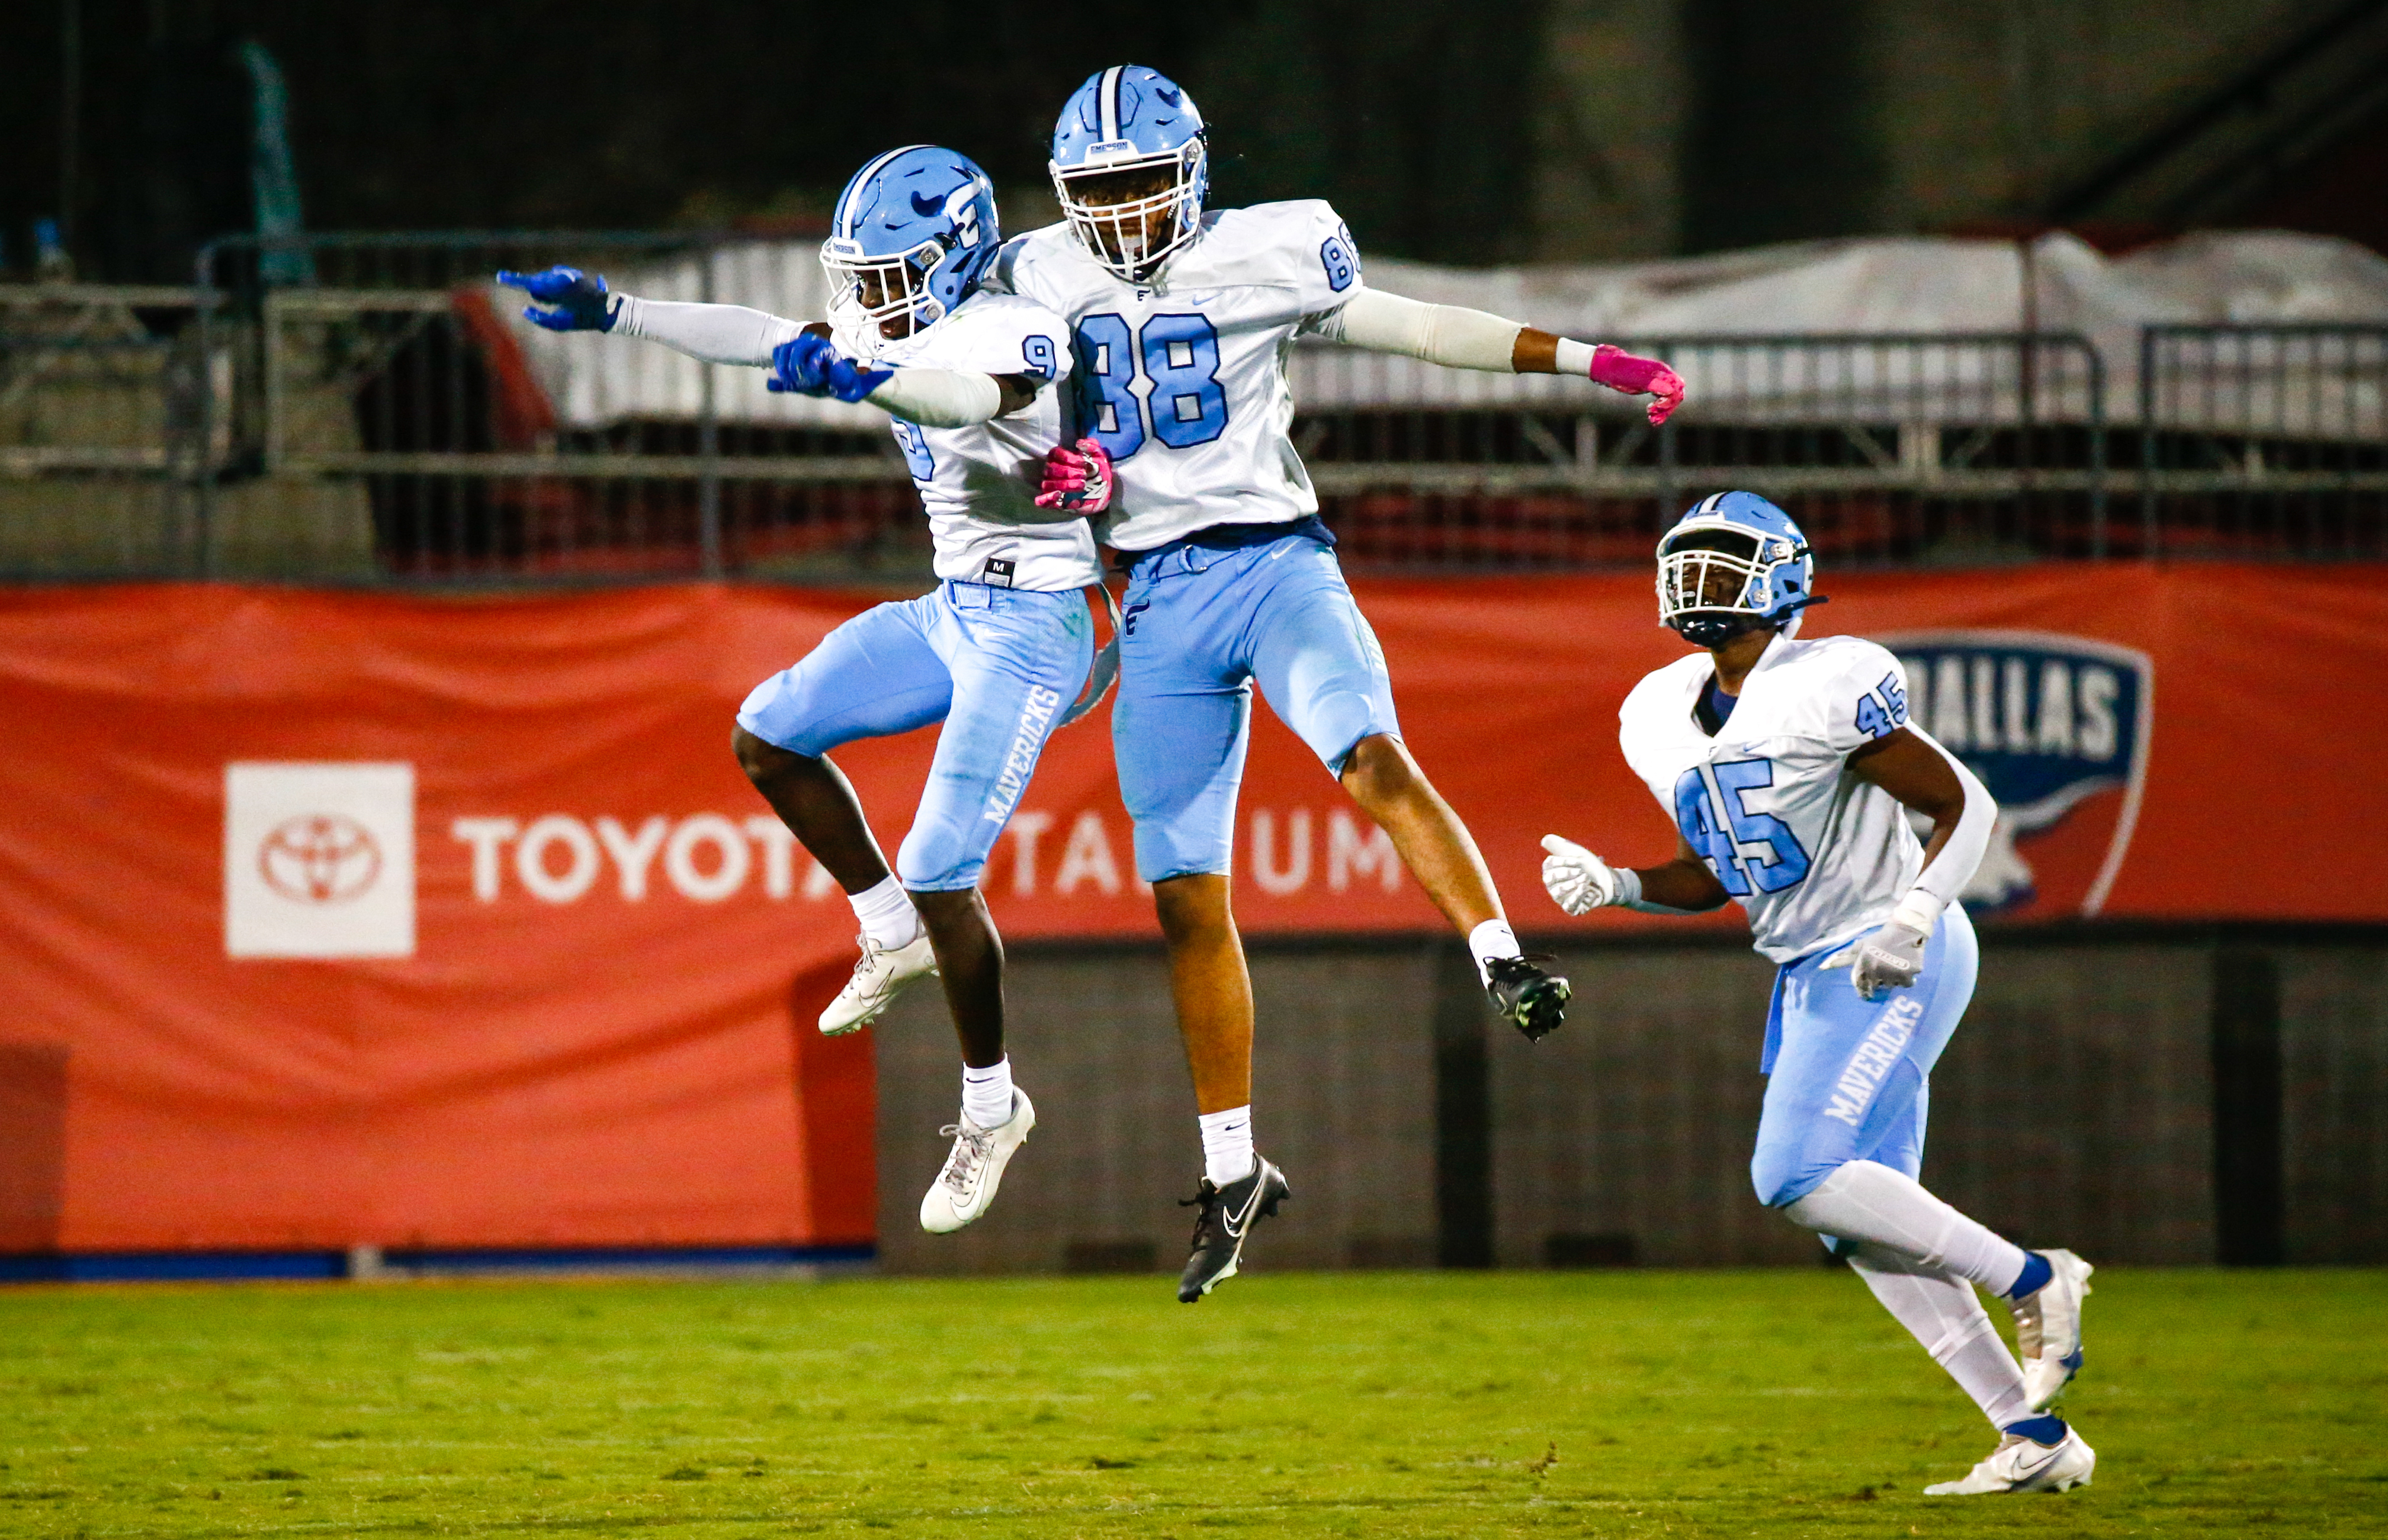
(1179, 356)
(1742, 846)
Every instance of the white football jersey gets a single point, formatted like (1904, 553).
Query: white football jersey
(1181, 378)
(1816, 855)
(978, 483)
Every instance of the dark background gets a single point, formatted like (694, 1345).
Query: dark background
(437, 114)
(1431, 124)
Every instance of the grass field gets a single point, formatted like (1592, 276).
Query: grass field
(1453, 1404)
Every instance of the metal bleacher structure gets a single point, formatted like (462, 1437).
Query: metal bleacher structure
(380, 425)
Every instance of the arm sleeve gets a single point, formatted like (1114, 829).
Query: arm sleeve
(1439, 334)
(716, 334)
(938, 398)
(1945, 876)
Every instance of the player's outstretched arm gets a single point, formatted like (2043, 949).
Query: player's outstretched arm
(1925, 776)
(566, 300)
(809, 365)
(1460, 338)
(1579, 882)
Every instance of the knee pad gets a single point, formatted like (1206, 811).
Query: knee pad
(939, 863)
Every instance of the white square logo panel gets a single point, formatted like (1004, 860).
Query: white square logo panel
(319, 860)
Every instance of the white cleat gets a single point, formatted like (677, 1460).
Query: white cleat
(965, 1189)
(878, 978)
(2021, 1465)
(2048, 1328)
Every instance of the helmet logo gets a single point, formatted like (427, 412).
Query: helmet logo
(925, 207)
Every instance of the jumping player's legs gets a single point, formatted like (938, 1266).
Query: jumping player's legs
(1016, 660)
(1318, 663)
(875, 676)
(1179, 733)
(1320, 668)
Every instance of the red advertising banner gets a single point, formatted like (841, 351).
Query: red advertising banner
(341, 918)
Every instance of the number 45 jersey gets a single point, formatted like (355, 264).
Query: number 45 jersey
(1181, 378)
(978, 483)
(1817, 856)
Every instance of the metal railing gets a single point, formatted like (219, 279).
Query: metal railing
(2258, 438)
(392, 422)
(1888, 446)
(481, 455)
(105, 397)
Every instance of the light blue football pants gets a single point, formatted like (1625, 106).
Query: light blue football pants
(998, 667)
(1202, 626)
(1849, 1079)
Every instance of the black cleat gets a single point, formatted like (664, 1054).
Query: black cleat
(1526, 997)
(1222, 1217)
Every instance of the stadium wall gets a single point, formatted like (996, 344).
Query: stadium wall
(339, 920)
(2101, 1094)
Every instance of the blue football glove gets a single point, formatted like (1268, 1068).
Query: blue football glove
(575, 301)
(811, 366)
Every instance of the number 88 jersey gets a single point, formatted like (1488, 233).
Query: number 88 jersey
(1816, 855)
(1181, 378)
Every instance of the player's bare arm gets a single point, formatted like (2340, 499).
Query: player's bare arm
(1458, 338)
(1686, 883)
(1920, 775)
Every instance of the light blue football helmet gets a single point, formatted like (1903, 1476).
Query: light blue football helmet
(1126, 127)
(912, 234)
(1759, 553)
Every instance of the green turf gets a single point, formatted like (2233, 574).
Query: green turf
(1629, 1403)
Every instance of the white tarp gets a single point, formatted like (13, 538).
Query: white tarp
(1875, 286)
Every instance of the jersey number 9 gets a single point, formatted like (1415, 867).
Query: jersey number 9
(915, 445)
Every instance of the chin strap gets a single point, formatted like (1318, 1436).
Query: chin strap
(1715, 630)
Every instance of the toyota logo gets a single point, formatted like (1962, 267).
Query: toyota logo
(319, 858)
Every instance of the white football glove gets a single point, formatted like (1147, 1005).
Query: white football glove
(1577, 880)
(1892, 958)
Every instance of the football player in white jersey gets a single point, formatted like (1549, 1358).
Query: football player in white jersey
(1181, 320)
(1788, 769)
(998, 652)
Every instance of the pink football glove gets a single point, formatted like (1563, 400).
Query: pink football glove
(1078, 479)
(1620, 370)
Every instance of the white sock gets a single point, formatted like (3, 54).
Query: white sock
(1866, 1201)
(886, 914)
(1491, 939)
(1947, 1316)
(987, 1093)
(1227, 1153)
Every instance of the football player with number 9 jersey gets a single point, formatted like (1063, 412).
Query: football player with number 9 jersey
(1180, 318)
(996, 653)
(1788, 769)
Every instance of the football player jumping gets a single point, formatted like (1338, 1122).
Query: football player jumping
(998, 652)
(1789, 768)
(1181, 319)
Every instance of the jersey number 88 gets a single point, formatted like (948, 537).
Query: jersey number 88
(1179, 354)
